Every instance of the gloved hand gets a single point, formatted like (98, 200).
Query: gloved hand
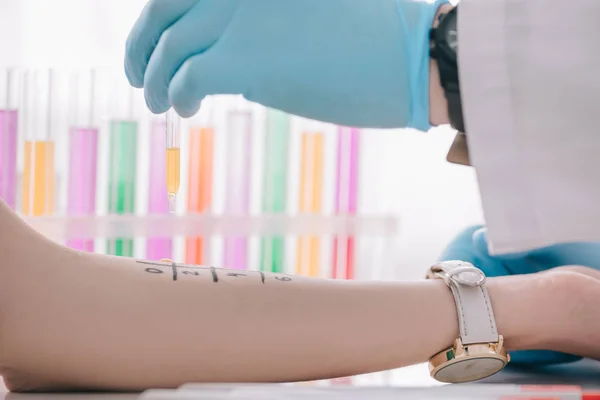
(471, 246)
(350, 62)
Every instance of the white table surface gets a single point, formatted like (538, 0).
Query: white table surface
(584, 373)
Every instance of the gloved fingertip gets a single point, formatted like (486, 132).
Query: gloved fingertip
(128, 76)
(188, 111)
(133, 80)
(138, 84)
(156, 108)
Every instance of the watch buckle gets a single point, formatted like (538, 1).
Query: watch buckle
(465, 274)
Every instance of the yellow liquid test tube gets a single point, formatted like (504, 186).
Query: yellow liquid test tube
(173, 157)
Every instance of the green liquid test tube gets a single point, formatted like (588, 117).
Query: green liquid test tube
(121, 179)
(275, 185)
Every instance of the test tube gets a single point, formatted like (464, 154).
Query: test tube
(39, 169)
(158, 248)
(173, 156)
(346, 193)
(122, 167)
(237, 203)
(83, 151)
(310, 201)
(200, 187)
(274, 200)
(9, 121)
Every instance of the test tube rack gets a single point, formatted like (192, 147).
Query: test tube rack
(266, 189)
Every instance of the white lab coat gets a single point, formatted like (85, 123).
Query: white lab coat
(530, 85)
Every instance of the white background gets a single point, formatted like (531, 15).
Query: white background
(434, 199)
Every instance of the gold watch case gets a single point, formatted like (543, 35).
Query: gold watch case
(460, 363)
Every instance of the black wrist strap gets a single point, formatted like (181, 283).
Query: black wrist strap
(447, 63)
(455, 111)
(451, 84)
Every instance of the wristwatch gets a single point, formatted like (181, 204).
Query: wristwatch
(479, 350)
(443, 39)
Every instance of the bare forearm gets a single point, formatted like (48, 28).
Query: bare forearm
(142, 328)
(139, 325)
(76, 320)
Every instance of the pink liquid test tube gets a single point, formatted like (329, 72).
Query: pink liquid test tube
(237, 202)
(9, 128)
(346, 193)
(83, 153)
(158, 248)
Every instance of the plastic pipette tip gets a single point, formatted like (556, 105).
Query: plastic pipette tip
(172, 198)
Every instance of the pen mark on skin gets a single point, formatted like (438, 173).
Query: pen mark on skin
(174, 267)
(190, 267)
(195, 271)
(193, 266)
(171, 265)
(151, 263)
(235, 274)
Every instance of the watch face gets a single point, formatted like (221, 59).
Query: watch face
(469, 370)
(451, 34)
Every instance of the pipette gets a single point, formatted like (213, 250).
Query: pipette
(173, 157)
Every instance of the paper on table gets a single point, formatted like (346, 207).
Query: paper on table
(531, 105)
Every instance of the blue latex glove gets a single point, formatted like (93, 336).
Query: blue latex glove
(471, 246)
(350, 62)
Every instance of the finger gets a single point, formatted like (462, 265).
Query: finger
(592, 273)
(192, 34)
(156, 16)
(204, 75)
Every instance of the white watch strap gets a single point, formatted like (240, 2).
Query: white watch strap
(475, 315)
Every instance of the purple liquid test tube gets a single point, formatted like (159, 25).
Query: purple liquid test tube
(237, 202)
(158, 248)
(83, 153)
(8, 156)
(83, 156)
(9, 128)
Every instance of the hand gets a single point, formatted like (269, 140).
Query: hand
(471, 246)
(350, 62)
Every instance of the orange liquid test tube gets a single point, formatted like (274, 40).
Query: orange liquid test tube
(310, 202)
(38, 193)
(200, 186)
(38, 178)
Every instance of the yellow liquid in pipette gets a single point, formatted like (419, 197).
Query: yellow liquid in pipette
(38, 178)
(173, 174)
